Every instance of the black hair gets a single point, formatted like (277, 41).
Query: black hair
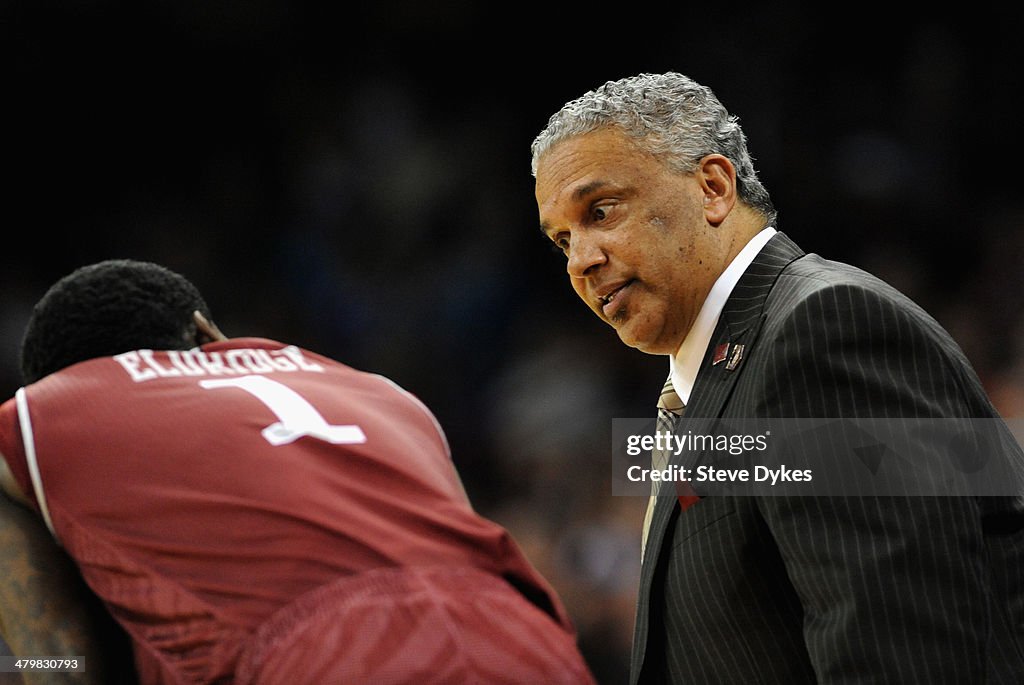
(108, 308)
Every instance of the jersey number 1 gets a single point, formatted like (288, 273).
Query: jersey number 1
(296, 417)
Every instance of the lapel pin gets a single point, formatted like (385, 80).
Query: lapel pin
(734, 360)
(721, 352)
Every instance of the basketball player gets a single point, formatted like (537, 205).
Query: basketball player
(249, 511)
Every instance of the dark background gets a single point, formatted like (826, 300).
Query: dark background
(357, 181)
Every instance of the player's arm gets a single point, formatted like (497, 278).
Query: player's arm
(45, 608)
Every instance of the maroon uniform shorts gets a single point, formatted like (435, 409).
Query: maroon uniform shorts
(416, 626)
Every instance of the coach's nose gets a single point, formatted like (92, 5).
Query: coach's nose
(585, 255)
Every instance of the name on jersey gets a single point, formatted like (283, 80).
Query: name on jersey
(142, 365)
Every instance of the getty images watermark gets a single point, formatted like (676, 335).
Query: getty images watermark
(945, 457)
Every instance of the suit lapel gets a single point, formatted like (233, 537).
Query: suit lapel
(738, 327)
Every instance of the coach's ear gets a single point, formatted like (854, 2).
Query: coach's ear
(206, 330)
(717, 178)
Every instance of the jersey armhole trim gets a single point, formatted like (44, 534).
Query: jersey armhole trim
(21, 399)
(419, 404)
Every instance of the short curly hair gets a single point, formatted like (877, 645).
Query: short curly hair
(669, 115)
(108, 308)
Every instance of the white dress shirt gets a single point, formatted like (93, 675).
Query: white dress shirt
(685, 363)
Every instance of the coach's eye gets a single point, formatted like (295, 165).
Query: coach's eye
(600, 212)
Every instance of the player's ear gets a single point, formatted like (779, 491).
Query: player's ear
(9, 486)
(206, 330)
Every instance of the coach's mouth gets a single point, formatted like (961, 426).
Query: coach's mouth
(613, 298)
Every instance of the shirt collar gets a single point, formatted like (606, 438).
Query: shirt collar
(685, 363)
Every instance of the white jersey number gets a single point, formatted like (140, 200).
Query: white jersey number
(296, 416)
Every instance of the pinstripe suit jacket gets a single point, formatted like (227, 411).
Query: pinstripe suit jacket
(832, 589)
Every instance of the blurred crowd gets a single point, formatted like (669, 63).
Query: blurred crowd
(359, 184)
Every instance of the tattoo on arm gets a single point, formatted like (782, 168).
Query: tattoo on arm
(45, 606)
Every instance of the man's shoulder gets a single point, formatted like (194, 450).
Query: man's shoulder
(812, 272)
(839, 300)
(811, 277)
(793, 275)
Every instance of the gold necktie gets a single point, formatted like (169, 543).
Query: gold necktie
(670, 408)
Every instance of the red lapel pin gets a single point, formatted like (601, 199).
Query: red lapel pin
(721, 352)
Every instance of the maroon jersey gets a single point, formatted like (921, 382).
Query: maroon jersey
(202, 491)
